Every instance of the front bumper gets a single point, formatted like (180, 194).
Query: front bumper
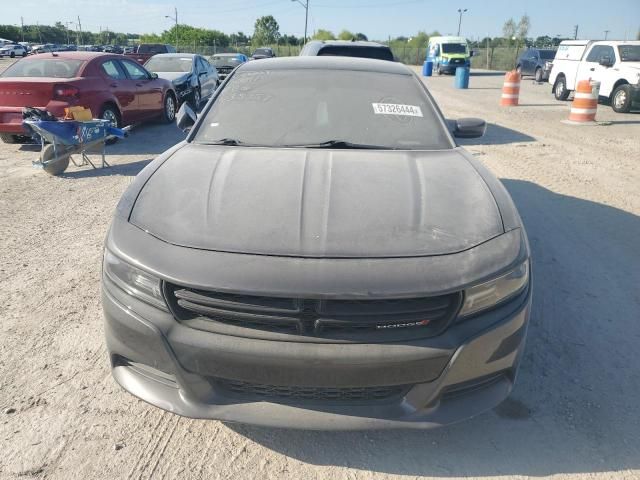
(461, 373)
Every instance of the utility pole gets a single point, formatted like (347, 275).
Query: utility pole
(22, 27)
(306, 16)
(175, 19)
(460, 11)
(80, 29)
(575, 32)
(606, 34)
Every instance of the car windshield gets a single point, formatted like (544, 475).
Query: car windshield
(378, 53)
(547, 54)
(152, 48)
(44, 67)
(454, 48)
(169, 64)
(226, 60)
(629, 53)
(324, 108)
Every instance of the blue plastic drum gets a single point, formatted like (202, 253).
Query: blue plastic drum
(462, 77)
(427, 68)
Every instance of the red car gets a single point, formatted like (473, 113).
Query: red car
(114, 88)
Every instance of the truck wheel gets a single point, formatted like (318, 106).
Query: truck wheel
(560, 89)
(8, 138)
(621, 99)
(538, 75)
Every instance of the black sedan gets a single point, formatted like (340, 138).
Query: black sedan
(261, 53)
(226, 62)
(320, 254)
(193, 77)
(536, 62)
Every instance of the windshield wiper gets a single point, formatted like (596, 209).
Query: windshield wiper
(226, 141)
(340, 144)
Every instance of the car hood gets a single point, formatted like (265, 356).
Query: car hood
(176, 77)
(317, 202)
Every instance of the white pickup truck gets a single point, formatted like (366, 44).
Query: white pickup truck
(615, 64)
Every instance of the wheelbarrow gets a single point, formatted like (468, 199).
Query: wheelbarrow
(61, 139)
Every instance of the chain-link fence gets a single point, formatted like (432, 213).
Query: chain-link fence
(208, 50)
(493, 58)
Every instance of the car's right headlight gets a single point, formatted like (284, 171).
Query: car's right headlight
(491, 293)
(132, 280)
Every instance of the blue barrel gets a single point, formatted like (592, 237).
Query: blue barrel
(427, 68)
(462, 77)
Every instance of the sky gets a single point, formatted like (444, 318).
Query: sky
(378, 19)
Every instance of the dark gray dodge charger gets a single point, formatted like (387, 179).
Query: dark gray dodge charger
(318, 253)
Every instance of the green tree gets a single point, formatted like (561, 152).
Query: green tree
(323, 35)
(346, 35)
(523, 27)
(239, 39)
(266, 31)
(509, 28)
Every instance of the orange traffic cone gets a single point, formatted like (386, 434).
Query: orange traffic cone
(510, 89)
(585, 102)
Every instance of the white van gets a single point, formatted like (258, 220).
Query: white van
(615, 64)
(448, 53)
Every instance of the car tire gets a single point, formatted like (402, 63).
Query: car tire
(196, 99)
(560, 91)
(111, 113)
(538, 75)
(9, 138)
(621, 99)
(169, 110)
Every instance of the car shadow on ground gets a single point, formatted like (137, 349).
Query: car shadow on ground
(574, 408)
(495, 135)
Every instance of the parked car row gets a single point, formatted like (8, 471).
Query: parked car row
(114, 87)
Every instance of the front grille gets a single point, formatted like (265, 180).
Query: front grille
(351, 319)
(325, 394)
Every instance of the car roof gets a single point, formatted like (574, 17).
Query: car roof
(82, 55)
(349, 43)
(176, 55)
(327, 63)
(226, 54)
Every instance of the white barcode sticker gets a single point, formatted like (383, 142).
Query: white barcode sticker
(396, 109)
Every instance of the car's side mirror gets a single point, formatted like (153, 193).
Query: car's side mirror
(186, 117)
(154, 75)
(469, 128)
(606, 61)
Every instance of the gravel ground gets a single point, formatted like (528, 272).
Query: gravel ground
(573, 414)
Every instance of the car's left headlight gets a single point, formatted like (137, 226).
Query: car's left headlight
(132, 280)
(491, 293)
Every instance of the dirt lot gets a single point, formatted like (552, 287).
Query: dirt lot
(573, 414)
